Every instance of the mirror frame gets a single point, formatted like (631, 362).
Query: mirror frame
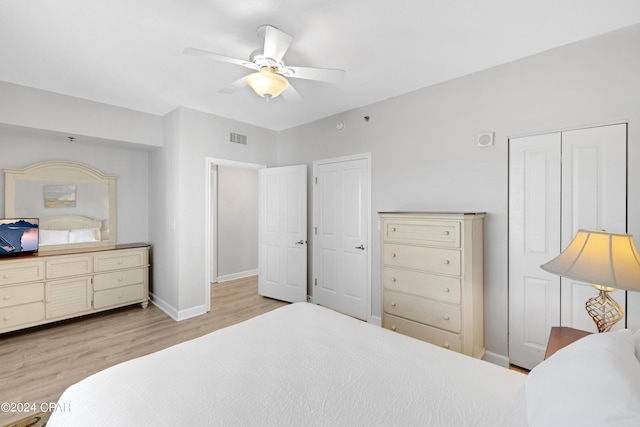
(63, 172)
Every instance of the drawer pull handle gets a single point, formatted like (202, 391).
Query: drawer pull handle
(446, 317)
(446, 345)
(6, 276)
(120, 296)
(393, 279)
(393, 255)
(446, 233)
(393, 229)
(446, 290)
(120, 262)
(6, 318)
(393, 327)
(446, 261)
(393, 304)
(6, 297)
(120, 279)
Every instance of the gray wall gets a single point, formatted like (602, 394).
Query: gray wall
(179, 171)
(130, 165)
(237, 220)
(423, 144)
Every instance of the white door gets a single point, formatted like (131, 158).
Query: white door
(341, 235)
(558, 183)
(534, 238)
(594, 196)
(282, 233)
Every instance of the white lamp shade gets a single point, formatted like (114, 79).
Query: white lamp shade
(600, 258)
(267, 83)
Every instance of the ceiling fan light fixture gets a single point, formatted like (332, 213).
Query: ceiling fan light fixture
(267, 82)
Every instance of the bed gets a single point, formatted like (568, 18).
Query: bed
(70, 229)
(303, 364)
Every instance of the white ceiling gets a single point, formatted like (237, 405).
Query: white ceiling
(128, 53)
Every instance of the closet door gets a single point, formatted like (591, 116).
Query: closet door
(594, 196)
(558, 183)
(534, 238)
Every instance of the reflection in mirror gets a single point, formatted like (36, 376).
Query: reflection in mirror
(75, 203)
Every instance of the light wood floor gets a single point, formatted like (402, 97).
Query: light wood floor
(37, 365)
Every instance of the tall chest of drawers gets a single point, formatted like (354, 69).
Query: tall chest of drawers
(35, 290)
(432, 278)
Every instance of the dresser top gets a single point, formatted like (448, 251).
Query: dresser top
(478, 214)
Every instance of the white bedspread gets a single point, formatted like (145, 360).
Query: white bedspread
(299, 365)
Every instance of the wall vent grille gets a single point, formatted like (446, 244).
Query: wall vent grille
(238, 138)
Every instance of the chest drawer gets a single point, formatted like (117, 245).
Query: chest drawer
(118, 296)
(441, 288)
(15, 295)
(21, 315)
(120, 260)
(21, 272)
(68, 266)
(423, 332)
(443, 316)
(435, 260)
(116, 279)
(434, 233)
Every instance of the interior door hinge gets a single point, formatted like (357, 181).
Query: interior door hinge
(316, 179)
(315, 282)
(315, 230)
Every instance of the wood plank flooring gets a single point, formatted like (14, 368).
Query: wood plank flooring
(37, 365)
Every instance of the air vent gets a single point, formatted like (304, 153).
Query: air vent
(238, 138)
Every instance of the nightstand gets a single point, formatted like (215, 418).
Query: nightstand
(562, 336)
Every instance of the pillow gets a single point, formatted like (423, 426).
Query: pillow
(593, 382)
(83, 235)
(53, 237)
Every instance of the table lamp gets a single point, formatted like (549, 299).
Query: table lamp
(608, 260)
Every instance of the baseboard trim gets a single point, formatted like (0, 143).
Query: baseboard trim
(496, 359)
(240, 275)
(375, 320)
(177, 315)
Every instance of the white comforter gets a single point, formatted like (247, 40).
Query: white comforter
(299, 365)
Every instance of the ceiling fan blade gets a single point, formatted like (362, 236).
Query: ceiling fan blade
(329, 75)
(290, 94)
(276, 43)
(235, 86)
(217, 57)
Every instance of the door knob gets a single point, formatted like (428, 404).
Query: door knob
(361, 247)
(300, 242)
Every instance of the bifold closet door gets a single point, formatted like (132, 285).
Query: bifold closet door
(534, 238)
(558, 183)
(594, 196)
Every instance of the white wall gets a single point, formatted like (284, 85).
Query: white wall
(237, 221)
(423, 144)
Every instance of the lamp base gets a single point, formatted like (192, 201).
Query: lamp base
(603, 309)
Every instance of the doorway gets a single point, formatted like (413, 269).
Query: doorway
(212, 231)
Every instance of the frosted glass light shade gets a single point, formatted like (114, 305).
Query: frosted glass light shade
(601, 258)
(267, 83)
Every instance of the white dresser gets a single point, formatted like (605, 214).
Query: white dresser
(35, 290)
(432, 278)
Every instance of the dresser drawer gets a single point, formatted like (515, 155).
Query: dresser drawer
(422, 332)
(22, 294)
(68, 297)
(435, 260)
(117, 279)
(21, 315)
(441, 288)
(434, 233)
(443, 316)
(120, 260)
(118, 296)
(21, 272)
(68, 266)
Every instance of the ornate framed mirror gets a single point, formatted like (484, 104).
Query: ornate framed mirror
(76, 204)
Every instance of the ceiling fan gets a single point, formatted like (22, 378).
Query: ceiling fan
(270, 77)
